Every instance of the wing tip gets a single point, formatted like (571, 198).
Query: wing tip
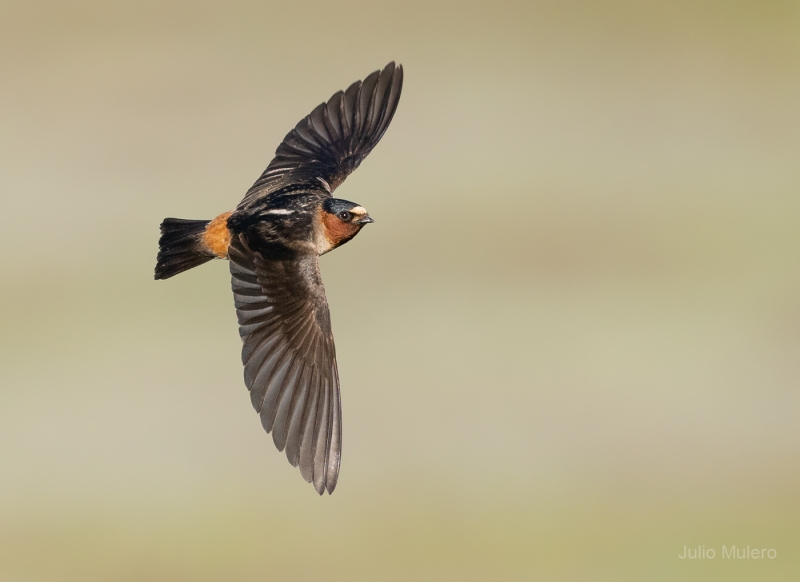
(393, 67)
(331, 482)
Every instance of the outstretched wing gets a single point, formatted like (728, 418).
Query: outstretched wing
(289, 358)
(333, 140)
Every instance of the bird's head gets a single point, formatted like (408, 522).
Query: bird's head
(340, 220)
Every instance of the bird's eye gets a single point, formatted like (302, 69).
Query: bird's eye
(345, 216)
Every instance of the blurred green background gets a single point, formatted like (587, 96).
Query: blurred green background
(569, 346)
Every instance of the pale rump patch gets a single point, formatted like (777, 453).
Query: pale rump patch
(217, 237)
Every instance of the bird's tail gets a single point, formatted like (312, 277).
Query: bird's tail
(181, 246)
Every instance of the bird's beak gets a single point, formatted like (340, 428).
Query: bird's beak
(365, 220)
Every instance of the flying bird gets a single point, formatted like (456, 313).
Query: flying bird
(273, 238)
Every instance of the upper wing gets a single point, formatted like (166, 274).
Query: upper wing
(333, 140)
(289, 358)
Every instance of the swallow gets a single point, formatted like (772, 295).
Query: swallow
(272, 240)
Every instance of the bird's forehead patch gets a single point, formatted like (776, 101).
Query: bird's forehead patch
(358, 210)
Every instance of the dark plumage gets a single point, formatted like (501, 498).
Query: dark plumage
(272, 239)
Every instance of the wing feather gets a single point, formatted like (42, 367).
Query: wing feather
(309, 420)
(282, 414)
(289, 358)
(270, 389)
(295, 422)
(322, 436)
(334, 139)
(334, 448)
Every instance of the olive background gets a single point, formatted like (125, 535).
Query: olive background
(569, 345)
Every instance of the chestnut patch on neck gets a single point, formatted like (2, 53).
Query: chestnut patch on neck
(336, 231)
(217, 237)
